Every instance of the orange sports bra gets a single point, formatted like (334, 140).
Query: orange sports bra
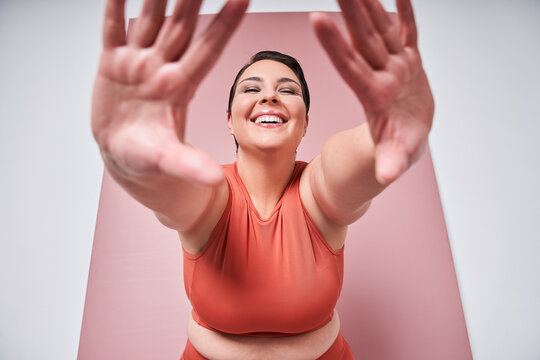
(264, 277)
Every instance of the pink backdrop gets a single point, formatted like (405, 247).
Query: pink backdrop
(400, 298)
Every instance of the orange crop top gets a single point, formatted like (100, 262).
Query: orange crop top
(264, 277)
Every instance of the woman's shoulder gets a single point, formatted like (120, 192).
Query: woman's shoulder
(299, 167)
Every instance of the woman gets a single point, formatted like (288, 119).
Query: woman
(262, 238)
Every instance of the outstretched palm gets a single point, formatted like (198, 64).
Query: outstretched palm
(144, 85)
(382, 65)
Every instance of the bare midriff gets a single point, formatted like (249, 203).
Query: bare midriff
(219, 346)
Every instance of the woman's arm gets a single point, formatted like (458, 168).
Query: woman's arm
(342, 177)
(382, 65)
(141, 93)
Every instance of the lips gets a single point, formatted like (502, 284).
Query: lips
(269, 119)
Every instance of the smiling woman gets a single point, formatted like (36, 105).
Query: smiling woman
(263, 238)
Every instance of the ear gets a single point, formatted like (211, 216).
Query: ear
(229, 124)
(306, 124)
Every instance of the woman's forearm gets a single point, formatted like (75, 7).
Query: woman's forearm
(177, 203)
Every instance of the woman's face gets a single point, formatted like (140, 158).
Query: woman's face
(268, 111)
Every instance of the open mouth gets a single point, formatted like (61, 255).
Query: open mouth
(268, 119)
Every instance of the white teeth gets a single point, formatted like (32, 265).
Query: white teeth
(269, 119)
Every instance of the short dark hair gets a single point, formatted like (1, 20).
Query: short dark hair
(287, 60)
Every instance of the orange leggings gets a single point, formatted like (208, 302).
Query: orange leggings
(340, 350)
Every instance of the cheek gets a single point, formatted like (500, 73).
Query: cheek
(241, 105)
(299, 105)
(300, 110)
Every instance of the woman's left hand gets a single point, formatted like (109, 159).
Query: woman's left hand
(382, 65)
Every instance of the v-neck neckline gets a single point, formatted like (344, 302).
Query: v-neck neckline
(250, 201)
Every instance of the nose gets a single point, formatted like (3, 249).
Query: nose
(268, 97)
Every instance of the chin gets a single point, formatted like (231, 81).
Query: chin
(270, 147)
(277, 148)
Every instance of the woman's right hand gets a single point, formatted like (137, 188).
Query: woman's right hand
(145, 82)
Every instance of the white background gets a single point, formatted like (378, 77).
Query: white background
(483, 60)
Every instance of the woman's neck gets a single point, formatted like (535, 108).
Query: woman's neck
(265, 178)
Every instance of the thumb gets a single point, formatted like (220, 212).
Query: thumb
(188, 163)
(390, 162)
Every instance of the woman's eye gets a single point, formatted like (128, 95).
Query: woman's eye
(251, 90)
(288, 91)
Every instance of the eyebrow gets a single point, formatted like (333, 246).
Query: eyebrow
(281, 80)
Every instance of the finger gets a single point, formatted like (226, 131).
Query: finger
(353, 68)
(390, 162)
(114, 26)
(408, 29)
(385, 26)
(200, 57)
(191, 164)
(364, 36)
(148, 23)
(177, 31)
